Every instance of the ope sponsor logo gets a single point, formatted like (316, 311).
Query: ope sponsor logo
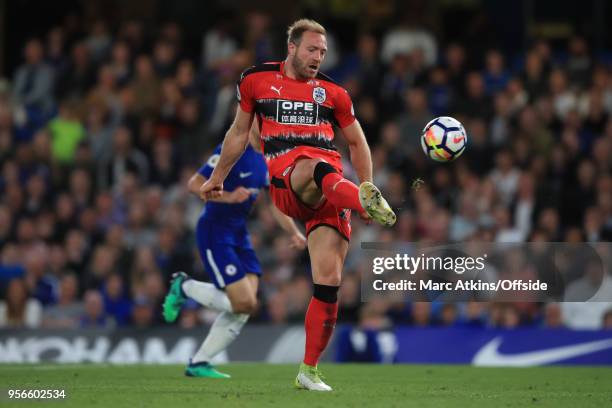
(297, 105)
(297, 112)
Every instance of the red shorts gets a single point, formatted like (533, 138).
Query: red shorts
(290, 204)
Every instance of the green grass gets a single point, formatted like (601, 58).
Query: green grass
(355, 386)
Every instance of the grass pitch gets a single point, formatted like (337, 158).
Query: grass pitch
(356, 385)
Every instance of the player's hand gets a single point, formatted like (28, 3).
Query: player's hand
(211, 189)
(298, 241)
(239, 195)
(365, 217)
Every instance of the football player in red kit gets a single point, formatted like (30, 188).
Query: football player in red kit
(296, 107)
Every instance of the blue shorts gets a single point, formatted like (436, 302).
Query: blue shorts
(227, 259)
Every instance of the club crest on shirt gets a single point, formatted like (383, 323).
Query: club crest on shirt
(319, 95)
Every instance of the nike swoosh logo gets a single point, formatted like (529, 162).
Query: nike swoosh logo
(458, 139)
(489, 354)
(245, 175)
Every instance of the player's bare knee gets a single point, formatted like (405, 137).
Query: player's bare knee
(329, 279)
(245, 306)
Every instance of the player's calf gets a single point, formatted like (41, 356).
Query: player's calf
(342, 193)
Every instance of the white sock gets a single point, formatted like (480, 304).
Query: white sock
(224, 330)
(207, 295)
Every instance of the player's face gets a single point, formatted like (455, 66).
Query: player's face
(309, 54)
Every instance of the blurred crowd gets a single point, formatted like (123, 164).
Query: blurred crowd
(102, 124)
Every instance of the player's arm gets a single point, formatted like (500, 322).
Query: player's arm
(298, 240)
(234, 144)
(239, 195)
(361, 157)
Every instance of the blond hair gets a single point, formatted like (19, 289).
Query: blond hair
(295, 31)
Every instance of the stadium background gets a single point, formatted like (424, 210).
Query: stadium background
(88, 241)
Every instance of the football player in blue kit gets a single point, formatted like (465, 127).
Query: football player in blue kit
(229, 259)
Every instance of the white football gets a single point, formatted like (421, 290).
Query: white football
(443, 139)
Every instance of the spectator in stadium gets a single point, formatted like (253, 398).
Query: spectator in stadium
(66, 132)
(99, 40)
(533, 75)
(99, 131)
(105, 94)
(413, 120)
(475, 103)
(395, 82)
(54, 52)
(80, 188)
(406, 37)
(505, 177)
(33, 83)
(170, 255)
(553, 315)
(218, 45)
(495, 75)
(349, 298)
(116, 301)
(455, 63)
(276, 306)
(102, 265)
(19, 310)
(596, 287)
(121, 62)
(78, 77)
(439, 92)
(41, 285)
(143, 314)
(371, 341)
(66, 312)
(191, 134)
(124, 159)
(579, 64)
(421, 313)
(94, 315)
(164, 169)
(146, 86)
(564, 100)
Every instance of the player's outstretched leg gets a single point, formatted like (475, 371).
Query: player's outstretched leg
(342, 193)
(183, 286)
